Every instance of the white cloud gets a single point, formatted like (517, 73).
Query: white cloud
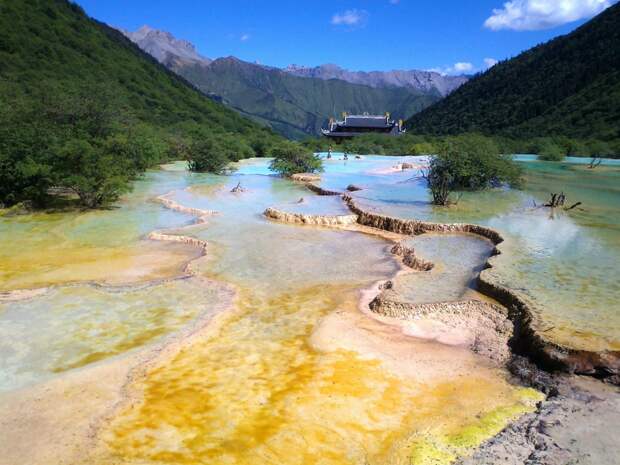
(436, 70)
(350, 18)
(463, 67)
(458, 68)
(527, 15)
(244, 37)
(489, 62)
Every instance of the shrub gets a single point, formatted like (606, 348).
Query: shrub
(291, 158)
(423, 148)
(551, 152)
(97, 175)
(469, 162)
(600, 149)
(206, 155)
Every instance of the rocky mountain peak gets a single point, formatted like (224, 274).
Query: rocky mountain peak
(426, 81)
(164, 46)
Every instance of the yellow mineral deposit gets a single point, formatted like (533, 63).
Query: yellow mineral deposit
(264, 351)
(254, 391)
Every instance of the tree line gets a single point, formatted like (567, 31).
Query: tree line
(552, 147)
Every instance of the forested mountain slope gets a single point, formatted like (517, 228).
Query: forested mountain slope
(73, 89)
(296, 106)
(45, 42)
(569, 86)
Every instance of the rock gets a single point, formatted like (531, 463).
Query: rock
(353, 188)
(320, 190)
(410, 259)
(573, 426)
(527, 338)
(306, 177)
(406, 166)
(318, 220)
(483, 327)
(162, 45)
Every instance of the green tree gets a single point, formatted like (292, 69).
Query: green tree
(81, 107)
(550, 151)
(207, 155)
(95, 174)
(291, 158)
(422, 148)
(468, 162)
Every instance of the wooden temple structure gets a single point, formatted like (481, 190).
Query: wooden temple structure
(357, 125)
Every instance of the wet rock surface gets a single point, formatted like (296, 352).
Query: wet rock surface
(301, 218)
(320, 190)
(577, 424)
(306, 177)
(482, 327)
(527, 340)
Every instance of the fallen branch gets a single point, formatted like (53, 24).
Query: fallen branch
(557, 200)
(238, 188)
(596, 160)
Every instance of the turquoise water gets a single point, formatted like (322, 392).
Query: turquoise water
(292, 365)
(457, 260)
(253, 251)
(571, 160)
(74, 326)
(312, 204)
(566, 264)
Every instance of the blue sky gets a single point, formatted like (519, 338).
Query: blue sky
(356, 34)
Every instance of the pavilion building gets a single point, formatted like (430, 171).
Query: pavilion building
(357, 125)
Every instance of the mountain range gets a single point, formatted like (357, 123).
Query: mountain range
(569, 86)
(425, 81)
(296, 101)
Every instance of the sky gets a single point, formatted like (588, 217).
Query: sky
(450, 36)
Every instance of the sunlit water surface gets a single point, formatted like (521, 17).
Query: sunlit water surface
(103, 245)
(254, 390)
(565, 264)
(252, 387)
(74, 326)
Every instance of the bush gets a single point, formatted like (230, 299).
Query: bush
(97, 175)
(423, 148)
(140, 147)
(76, 95)
(23, 179)
(551, 152)
(469, 162)
(291, 158)
(600, 149)
(206, 155)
